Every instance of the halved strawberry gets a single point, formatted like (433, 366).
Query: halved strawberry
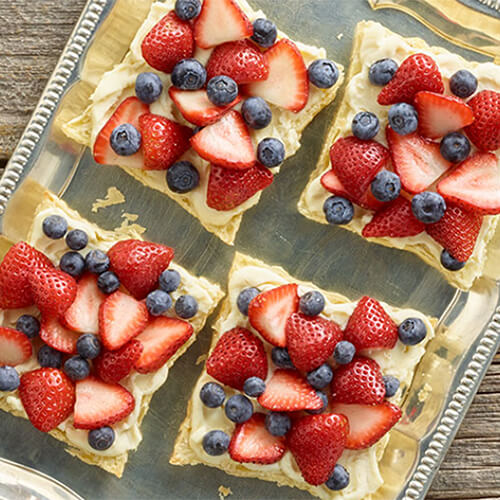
(226, 143)
(269, 311)
(161, 339)
(252, 443)
(485, 130)
(121, 318)
(99, 403)
(228, 188)
(112, 366)
(15, 347)
(367, 423)
(238, 355)
(129, 111)
(474, 184)
(317, 442)
(221, 21)
(288, 391)
(417, 72)
(54, 334)
(287, 84)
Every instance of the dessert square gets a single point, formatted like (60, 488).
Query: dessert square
(283, 347)
(466, 180)
(137, 341)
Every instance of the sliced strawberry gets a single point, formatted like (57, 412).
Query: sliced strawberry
(317, 442)
(112, 366)
(238, 355)
(15, 347)
(48, 397)
(370, 327)
(161, 339)
(485, 130)
(287, 84)
(252, 443)
(54, 334)
(417, 72)
(228, 188)
(99, 403)
(474, 184)
(311, 341)
(288, 391)
(121, 318)
(269, 311)
(221, 21)
(139, 264)
(128, 111)
(367, 423)
(226, 143)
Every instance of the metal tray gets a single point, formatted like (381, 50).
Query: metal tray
(446, 379)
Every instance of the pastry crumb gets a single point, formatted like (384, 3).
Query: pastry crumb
(339, 36)
(224, 492)
(201, 358)
(113, 197)
(128, 224)
(424, 393)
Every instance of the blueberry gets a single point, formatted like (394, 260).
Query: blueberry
(73, 264)
(238, 408)
(463, 83)
(9, 379)
(312, 303)
(365, 125)
(101, 439)
(264, 32)
(403, 118)
(324, 399)
(254, 387)
(245, 297)
(77, 239)
(77, 368)
(29, 325)
(125, 140)
(148, 87)
(339, 479)
(412, 331)
(391, 385)
(344, 352)
(186, 306)
(449, 262)
(455, 147)
(270, 152)
(386, 186)
(54, 226)
(170, 279)
(428, 207)
(323, 73)
(108, 282)
(88, 346)
(182, 177)
(281, 358)
(222, 90)
(215, 443)
(212, 395)
(320, 377)
(187, 9)
(49, 357)
(338, 210)
(278, 424)
(158, 302)
(256, 113)
(189, 74)
(97, 262)
(382, 71)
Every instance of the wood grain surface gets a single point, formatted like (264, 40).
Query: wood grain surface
(33, 35)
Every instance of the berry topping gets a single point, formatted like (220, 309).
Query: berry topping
(484, 132)
(278, 424)
(186, 306)
(148, 87)
(256, 113)
(212, 395)
(281, 358)
(112, 366)
(187, 9)
(108, 282)
(312, 303)
(72, 263)
(97, 261)
(101, 439)
(270, 152)
(339, 479)
(391, 385)
(323, 73)
(238, 408)
(158, 302)
(344, 352)
(189, 74)
(254, 387)
(386, 186)
(264, 32)
(412, 331)
(365, 125)
(48, 357)
(54, 226)
(15, 347)
(88, 346)
(455, 147)
(76, 239)
(338, 210)
(125, 140)
(403, 118)
(382, 71)
(222, 90)
(428, 207)
(449, 262)
(76, 368)
(29, 325)
(321, 376)
(182, 177)
(215, 443)
(331, 183)
(170, 279)
(324, 406)
(57, 336)
(245, 297)
(463, 83)
(9, 379)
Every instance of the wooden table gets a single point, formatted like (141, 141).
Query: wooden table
(32, 38)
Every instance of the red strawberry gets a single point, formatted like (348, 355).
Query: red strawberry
(370, 327)
(15, 347)
(161, 339)
(311, 341)
(395, 220)
(112, 366)
(15, 290)
(417, 72)
(226, 143)
(221, 21)
(238, 355)
(252, 443)
(457, 231)
(287, 84)
(55, 335)
(170, 41)
(367, 423)
(317, 442)
(288, 391)
(485, 131)
(474, 184)
(99, 403)
(439, 115)
(196, 108)
(269, 312)
(358, 382)
(228, 188)
(139, 264)
(48, 397)
(357, 162)
(128, 111)
(121, 318)
(163, 141)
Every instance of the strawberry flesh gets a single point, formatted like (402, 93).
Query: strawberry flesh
(112, 366)
(484, 132)
(54, 334)
(15, 347)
